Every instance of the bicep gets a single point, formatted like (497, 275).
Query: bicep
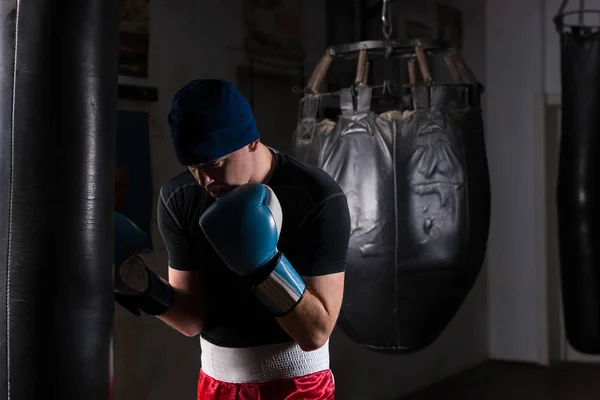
(322, 247)
(190, 282)
(181, 254)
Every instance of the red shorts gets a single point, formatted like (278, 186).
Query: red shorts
(316, 386)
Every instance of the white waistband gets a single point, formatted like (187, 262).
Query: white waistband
(261, 363)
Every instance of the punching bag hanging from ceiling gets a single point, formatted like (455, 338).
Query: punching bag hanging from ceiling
(416, 178)
(578, 189)
(58, 91)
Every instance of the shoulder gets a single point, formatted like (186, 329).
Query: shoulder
(178, 187)
(308, 182)
(181, 198)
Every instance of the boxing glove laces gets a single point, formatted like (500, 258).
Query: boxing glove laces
(244, 227)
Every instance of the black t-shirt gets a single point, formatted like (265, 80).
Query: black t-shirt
(314, 238)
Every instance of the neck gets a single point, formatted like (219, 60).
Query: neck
(265, 165)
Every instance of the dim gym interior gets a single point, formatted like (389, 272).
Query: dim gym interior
(462, 135)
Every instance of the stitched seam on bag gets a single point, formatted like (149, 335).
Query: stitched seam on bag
(10, 200)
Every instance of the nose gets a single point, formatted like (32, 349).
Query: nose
(204, 178)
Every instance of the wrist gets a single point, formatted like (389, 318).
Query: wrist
(159, 297)
(282, 288)
(137, 286)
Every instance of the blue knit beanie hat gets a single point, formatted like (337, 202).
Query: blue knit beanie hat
(209, 118)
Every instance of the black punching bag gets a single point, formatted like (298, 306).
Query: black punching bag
(578, 192)
(58, 81)
(412, 162)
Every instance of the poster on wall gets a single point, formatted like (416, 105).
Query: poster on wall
(133, 176)
(273, 32)
(134, 38)
(449, 25)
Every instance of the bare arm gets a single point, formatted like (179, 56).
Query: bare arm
(311, 322)
(186, 315)
(324, 243)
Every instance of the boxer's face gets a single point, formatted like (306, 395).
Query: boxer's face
(226, 173)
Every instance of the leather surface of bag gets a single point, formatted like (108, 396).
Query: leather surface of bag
(419, 196)
(578, 191)
(58, 91)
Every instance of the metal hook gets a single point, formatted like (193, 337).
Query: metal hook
(386, 19)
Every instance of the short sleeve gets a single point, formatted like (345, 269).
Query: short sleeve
(180, 252)
(322, 245)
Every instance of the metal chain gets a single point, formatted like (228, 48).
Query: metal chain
(386, 19)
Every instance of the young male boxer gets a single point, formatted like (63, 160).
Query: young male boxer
(257, 245)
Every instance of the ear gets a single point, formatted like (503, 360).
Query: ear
(254, 145)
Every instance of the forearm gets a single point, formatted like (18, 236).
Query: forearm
(297, 306)
(186, 315)
(309, 324)
(142, 290)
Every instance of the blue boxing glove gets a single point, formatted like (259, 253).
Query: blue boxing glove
(137, 287)
(243, 227)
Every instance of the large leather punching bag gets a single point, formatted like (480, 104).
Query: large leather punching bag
(578, 189)
(417, 184)
(58, 87)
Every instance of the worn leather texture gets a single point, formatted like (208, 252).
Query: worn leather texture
(58, 90)
(418, 190)
(578, 191)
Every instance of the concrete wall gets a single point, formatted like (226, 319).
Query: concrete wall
(514, 60)
(191, 39)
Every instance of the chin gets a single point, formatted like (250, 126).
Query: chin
(221, 192)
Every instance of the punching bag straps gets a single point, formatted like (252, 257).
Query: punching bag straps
(346, 101)
(422, 62)
(465, 71)
(363, 103)
(355, 101)
(319, 73)
(309, 106)
(412, 80)
(459, 70)
(419, 93)
(362, 68)
(306, 138)
(462, 75)
(412, 72)
(451, 65)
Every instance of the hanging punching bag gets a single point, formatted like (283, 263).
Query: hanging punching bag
(417, 184)
(58, 82)
(578, 190)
